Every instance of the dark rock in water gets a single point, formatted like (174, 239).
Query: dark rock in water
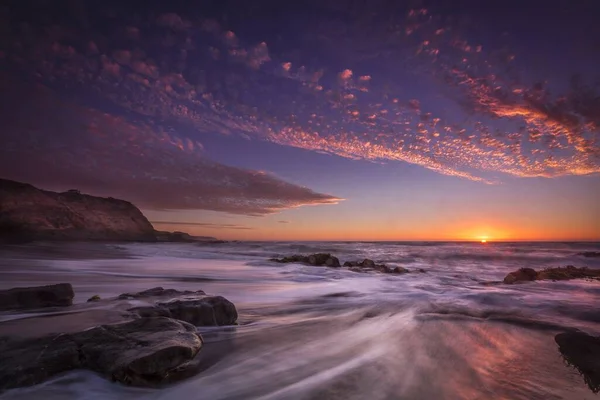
(59, 295)
(590, 254)
(368, 265)
(29, 213)
(207, 311)
(318, 259)
(296, 258)
(158, 292)
(141, 352)
(555, 274)
(199, 310)
(583, 352)
(94, 298)
(522, 275)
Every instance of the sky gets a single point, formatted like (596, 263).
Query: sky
(315, 119)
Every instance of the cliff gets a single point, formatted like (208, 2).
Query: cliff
(29, 213)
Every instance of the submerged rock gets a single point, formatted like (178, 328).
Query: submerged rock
(368, 265)
(158, 292)
(317, 259)
(583, 352)
(203, 311)
(521, 275)
(94, 298)
(556, 274)
(590, 254)
(142, 352)
(59, 295)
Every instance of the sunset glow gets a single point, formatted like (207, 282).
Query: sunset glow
(413, 130)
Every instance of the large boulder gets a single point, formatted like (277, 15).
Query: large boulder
(146, 351)
(29, 213)
(193, 307)
(555, 274)
(583, 352)
(59, 295)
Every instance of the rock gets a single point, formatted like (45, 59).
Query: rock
(59, 295)
(29, 213)
(522, 275)
(368, 263)
(556, 274)
(296, 258)
(317, 259)
(207, 311)
(200, 310)
(590, 254)
(568, 272)
(158, 292)
(583, 352)
(94, 298)
(140, 352)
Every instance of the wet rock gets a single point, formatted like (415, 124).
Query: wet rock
(583, 352)
(317, 259)
(141, 352)
(59, 295)
(158, 292)
(94, 298)
(296, 258)
(555, 274)
(201, 311)
(207, 311)
(568, 272)
(522, 275)
(590, 254)
(370, 265)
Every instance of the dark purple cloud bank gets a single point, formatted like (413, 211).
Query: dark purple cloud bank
(53, 143)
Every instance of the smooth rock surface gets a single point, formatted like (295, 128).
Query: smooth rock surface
(59, 295)
(146, 351)
(202, 311)
(583, 352)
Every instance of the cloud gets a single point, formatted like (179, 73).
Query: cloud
(424, 93)
(283, 222)
(69, 146)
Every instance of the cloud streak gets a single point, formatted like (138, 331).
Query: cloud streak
(473, 114)
(66, 145)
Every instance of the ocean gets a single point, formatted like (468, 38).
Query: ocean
(305, 332)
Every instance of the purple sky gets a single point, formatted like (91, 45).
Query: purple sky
(312, 120)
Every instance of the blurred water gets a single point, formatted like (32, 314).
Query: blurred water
(319, 333)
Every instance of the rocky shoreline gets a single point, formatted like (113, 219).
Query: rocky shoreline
(151, 344)
(327, 260)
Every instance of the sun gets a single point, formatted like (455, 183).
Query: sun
(483, 240)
